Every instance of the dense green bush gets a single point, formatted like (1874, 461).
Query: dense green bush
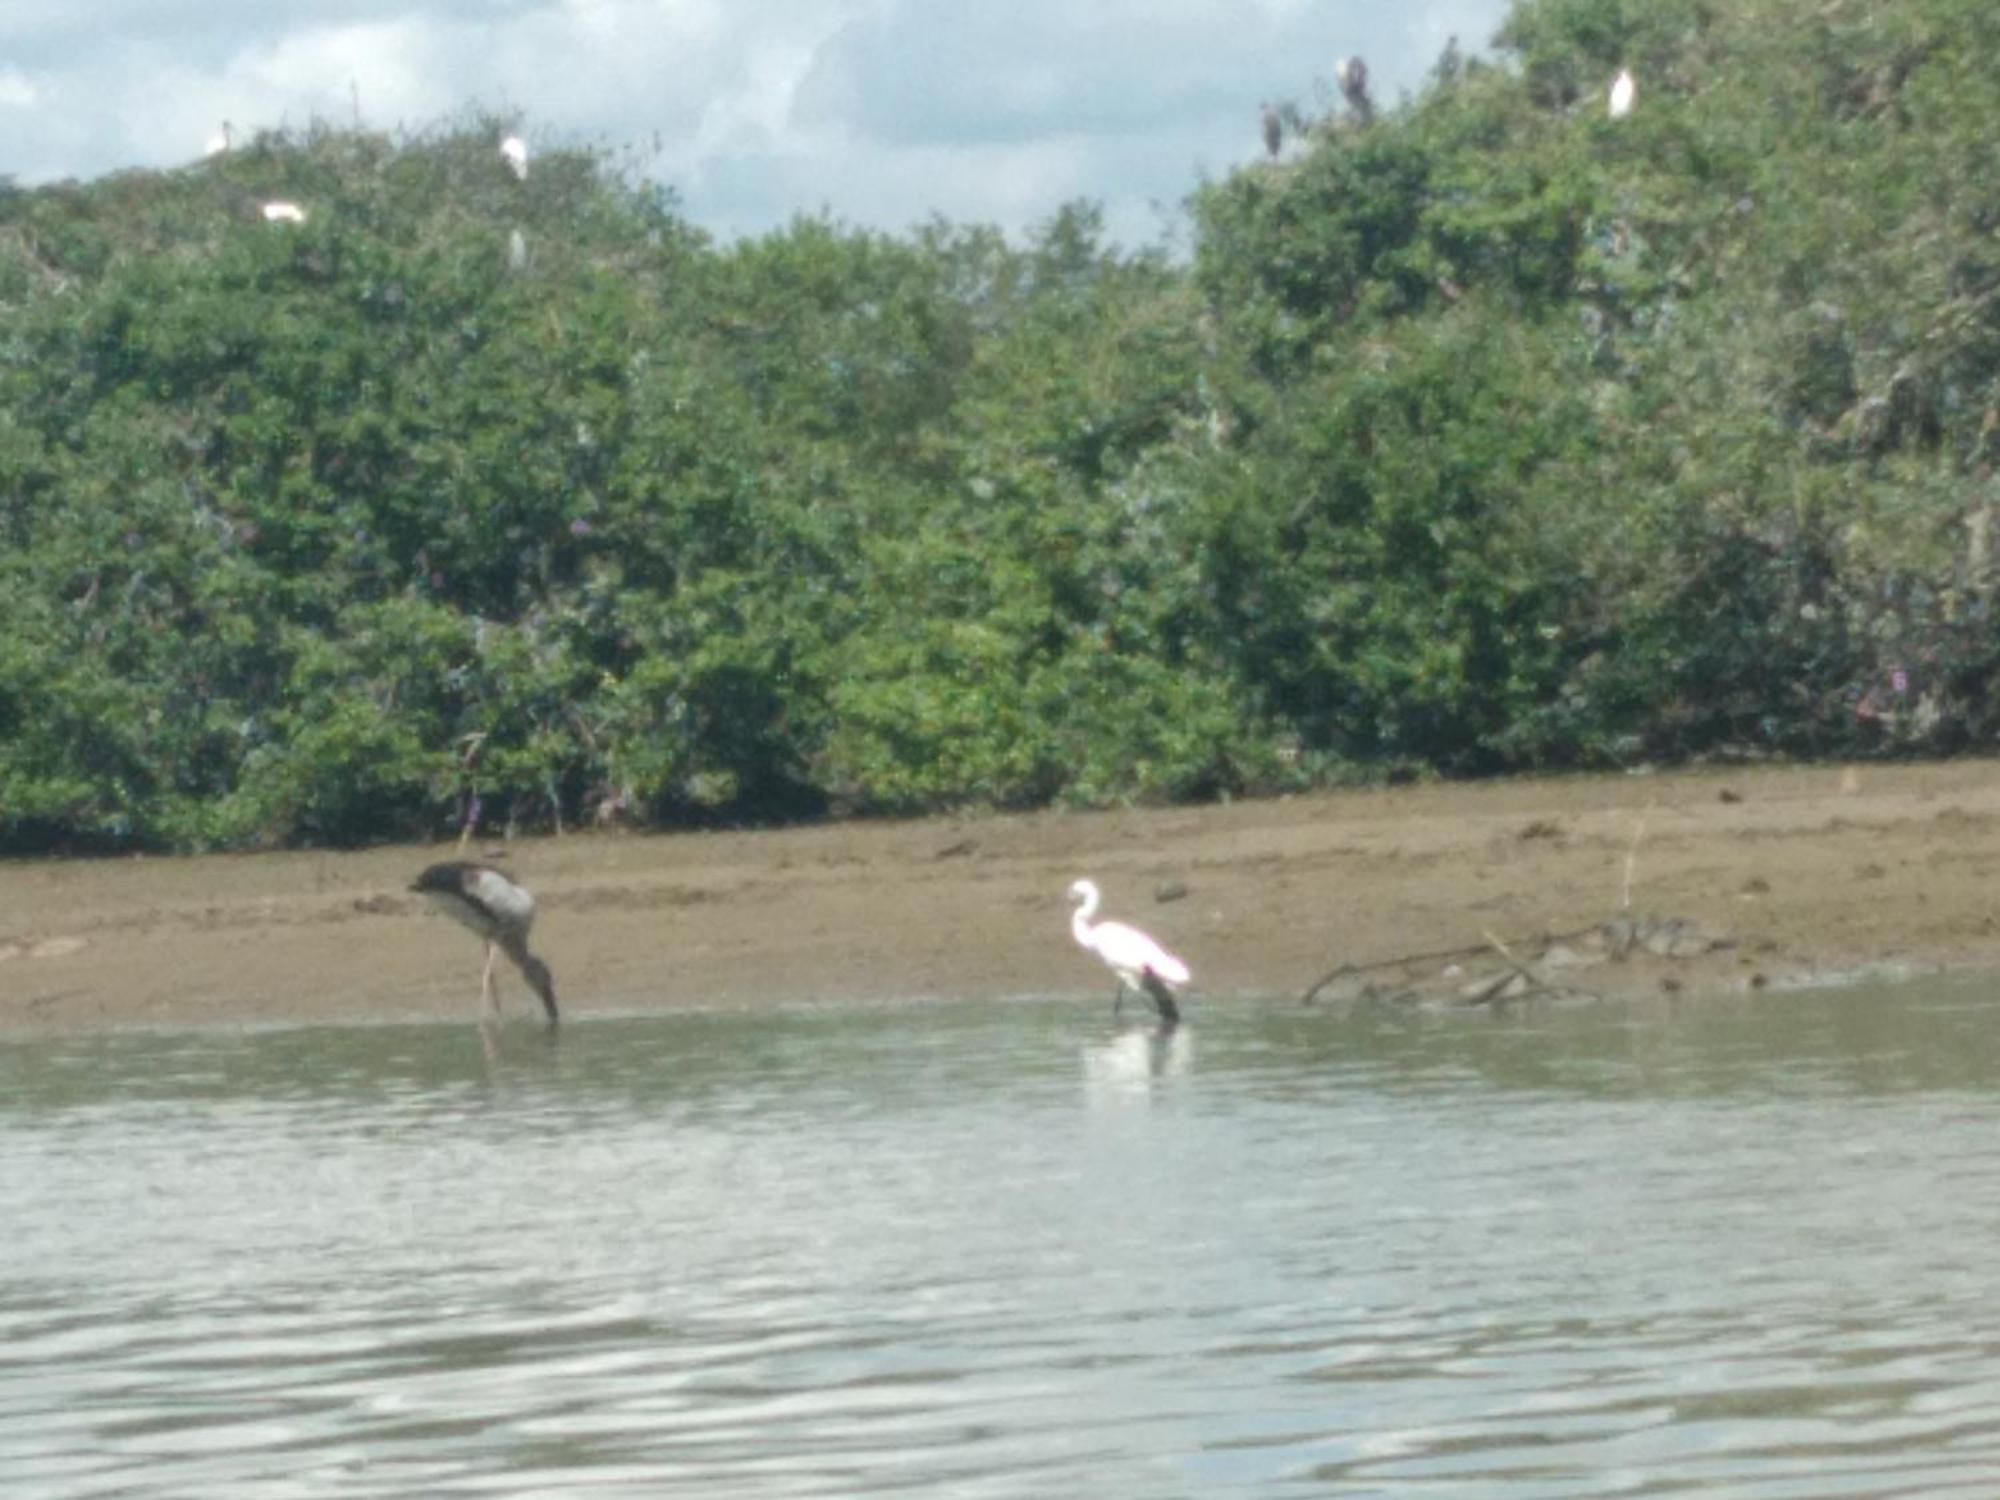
(1488, 434)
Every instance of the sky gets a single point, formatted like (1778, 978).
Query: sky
(880, 113)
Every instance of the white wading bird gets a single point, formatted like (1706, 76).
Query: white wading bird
(1135, 958)
(281, 212)
(1623, 89)
(481, 898)
(516, 151)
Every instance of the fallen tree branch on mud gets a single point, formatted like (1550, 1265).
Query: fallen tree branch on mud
(1453, 975)
(1407, 960)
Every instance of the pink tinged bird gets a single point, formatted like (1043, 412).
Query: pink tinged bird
(1623, 91)
(479, 897)
(1139, 962)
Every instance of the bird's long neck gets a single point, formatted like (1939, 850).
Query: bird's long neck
(1079, 920)
(535, 971)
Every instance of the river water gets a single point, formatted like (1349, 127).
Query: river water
(1742, 1247)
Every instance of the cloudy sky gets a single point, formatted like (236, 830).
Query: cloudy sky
(882, 112)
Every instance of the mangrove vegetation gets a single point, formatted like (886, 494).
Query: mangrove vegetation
(1476, 432)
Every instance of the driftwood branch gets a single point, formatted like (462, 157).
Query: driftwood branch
(1537, 986)
(1616, 939)
(1441, 955)
(1518, 969)
(1522, 978)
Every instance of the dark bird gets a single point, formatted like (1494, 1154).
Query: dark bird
(486, 901)
(1352, 75)
(1274, 128)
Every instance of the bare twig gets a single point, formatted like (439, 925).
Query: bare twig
(1632, 856)
(468, 764)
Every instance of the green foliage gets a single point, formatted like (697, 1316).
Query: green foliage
(1489, 433)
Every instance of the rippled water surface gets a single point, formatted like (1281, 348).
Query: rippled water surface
(1733, 1247)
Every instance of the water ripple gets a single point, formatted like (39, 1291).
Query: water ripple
(1005, 1251)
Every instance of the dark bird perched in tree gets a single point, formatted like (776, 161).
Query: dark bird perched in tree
(1352, 76)
(483, 899)
(1450, 65)
(1274, 128)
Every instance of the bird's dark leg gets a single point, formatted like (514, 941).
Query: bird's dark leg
(1163, 998)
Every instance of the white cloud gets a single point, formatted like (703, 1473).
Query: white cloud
(17, 90)
(883, 111)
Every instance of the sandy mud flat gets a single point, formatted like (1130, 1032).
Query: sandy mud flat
(1723, 881)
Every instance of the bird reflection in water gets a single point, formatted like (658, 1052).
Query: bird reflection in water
(1136, 1061)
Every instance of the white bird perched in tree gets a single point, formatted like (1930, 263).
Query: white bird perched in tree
(1137, 960)
(219, 143)
(481, 898)
(516, 151)
(1623, 91)
(281, 212)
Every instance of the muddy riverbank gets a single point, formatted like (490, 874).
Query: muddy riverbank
(1737, 880)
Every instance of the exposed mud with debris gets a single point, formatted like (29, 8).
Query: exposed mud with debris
(1452, 895)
